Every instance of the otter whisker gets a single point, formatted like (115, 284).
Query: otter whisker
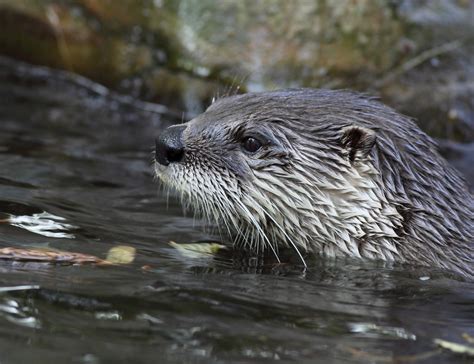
(259, 229)
(167, 198)
(289, 239)
(225, 220)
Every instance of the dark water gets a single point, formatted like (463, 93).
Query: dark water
(87, 159)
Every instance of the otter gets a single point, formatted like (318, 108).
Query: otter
(331, 172)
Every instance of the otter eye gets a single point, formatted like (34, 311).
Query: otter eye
(251, 144)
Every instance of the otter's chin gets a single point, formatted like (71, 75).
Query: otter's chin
(159, 170)
(172, 178)
(165, 175)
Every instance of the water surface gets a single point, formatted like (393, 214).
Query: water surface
(85, 160)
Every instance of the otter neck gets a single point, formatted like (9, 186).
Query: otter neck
(345, 214)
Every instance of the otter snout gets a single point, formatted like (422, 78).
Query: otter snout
(169, 146)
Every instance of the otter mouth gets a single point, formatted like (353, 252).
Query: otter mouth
(171, 178)
(169, 153)
(176, 174)
(160, 171)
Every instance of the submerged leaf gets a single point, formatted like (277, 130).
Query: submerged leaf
(121, 254)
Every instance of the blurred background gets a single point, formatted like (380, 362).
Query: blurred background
(416, 55)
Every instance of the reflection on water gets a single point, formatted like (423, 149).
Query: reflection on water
(75, 175)
(44, 224)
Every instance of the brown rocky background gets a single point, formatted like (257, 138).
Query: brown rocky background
(416, 55)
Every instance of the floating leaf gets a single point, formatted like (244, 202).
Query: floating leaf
(455, 347)
(197, 250)
(121, 254)
(468, 338)
(48, 256)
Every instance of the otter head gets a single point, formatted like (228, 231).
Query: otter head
(289, 168)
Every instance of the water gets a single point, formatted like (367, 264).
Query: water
(84, 160)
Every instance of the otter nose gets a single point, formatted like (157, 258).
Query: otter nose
(169, 145)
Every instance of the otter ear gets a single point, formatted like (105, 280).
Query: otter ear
(358, 141)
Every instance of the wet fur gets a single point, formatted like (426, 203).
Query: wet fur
(339, 174)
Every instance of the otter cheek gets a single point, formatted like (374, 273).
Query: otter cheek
(238, 166)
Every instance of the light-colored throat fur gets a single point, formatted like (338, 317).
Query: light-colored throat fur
(335, 211)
